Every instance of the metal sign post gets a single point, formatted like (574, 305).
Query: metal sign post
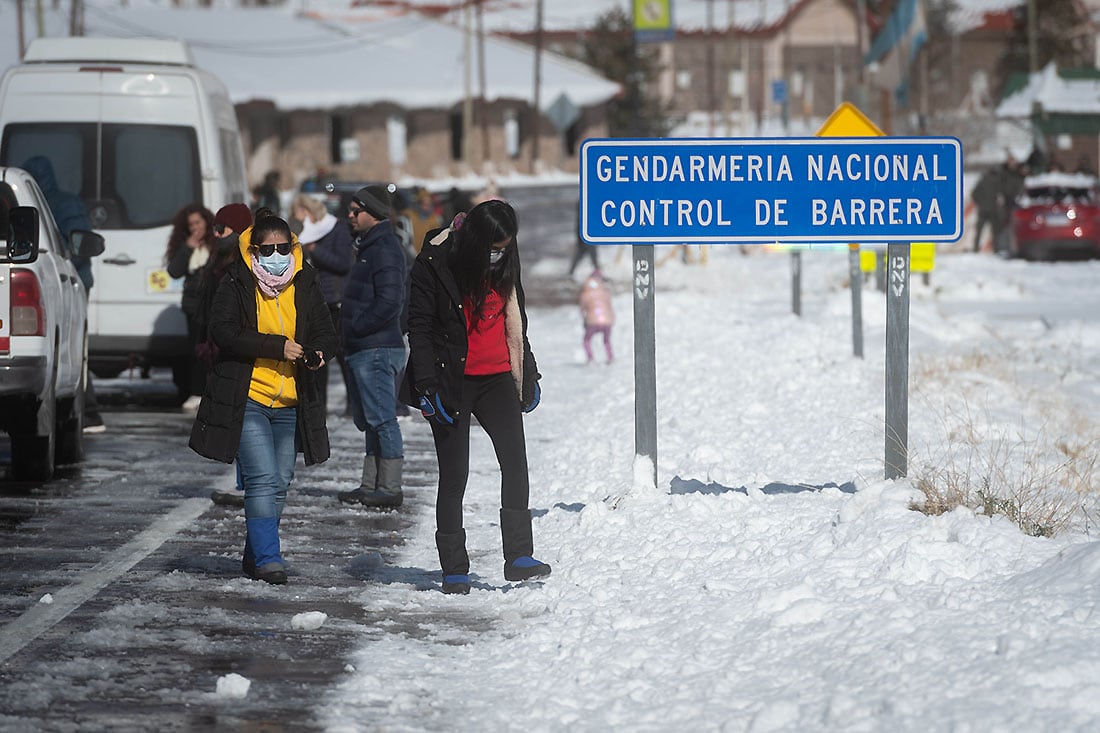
(645, 357)
(796, 282)
(855, 283)
(897, 360)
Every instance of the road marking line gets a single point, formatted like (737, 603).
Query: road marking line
(42, 616)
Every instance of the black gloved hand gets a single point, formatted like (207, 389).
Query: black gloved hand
(534, 399)
(431, 407)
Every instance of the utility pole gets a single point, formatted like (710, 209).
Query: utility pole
(1032, 36)
(76, 18)
(467, 102)
(710, 68)
(861, 17)
(39, 18)
(727, 67)
(484, 105)
(19, 31)
(536, 111)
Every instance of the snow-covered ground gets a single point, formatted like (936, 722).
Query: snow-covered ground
(773, 580)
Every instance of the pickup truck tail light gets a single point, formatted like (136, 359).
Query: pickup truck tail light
(28, 316)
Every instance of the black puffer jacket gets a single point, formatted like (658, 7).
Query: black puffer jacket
(216, 433)
(437, 332)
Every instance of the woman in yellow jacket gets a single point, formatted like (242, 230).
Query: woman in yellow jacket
(261, 404)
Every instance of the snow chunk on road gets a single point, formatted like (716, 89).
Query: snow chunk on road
(309, 620)
(232, 686)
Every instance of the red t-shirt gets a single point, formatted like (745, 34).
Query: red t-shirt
(487, 342)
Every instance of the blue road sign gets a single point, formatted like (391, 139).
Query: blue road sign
(779, 91)
(765, 190)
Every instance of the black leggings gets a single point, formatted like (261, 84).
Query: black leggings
(493, 401)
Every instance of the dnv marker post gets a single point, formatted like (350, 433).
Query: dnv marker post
(645, 357)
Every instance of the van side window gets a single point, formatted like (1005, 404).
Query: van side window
(156, 171)
(69, 146)
(229, 144)
(148, 171)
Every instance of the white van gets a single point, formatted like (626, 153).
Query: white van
(137, 131)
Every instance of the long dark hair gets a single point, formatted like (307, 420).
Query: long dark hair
(181, 231)
(487, 223)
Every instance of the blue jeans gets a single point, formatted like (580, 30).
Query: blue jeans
(374, 399)
(266, 457)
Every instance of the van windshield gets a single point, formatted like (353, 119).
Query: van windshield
(136, 177)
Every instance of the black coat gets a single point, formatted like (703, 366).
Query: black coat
(216, 433)
(437, 332)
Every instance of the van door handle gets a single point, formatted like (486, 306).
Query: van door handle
(120, 260)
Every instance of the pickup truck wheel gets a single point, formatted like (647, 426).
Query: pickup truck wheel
(70, 424)
(32, 457)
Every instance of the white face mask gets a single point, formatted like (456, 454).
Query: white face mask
(276, 264)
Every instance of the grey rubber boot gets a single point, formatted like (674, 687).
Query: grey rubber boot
(368, 484)
(388, 494)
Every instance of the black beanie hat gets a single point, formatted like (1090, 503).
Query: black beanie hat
(375, 199)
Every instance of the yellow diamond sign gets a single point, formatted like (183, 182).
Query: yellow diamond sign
(848, 121)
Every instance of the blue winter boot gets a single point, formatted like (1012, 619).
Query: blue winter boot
(454, 561)
(263, 540)
(515, 531)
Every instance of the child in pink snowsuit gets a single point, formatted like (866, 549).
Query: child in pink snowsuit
(595, 303)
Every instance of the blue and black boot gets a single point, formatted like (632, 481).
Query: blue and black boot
(262, 559)
(454, 561)
(515, 531)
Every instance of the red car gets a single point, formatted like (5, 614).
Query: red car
(1057, 214)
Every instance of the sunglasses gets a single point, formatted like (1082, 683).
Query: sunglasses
(219, 229)
(354, 211)
(266, 250)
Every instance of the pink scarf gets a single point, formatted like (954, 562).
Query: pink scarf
(272, 285)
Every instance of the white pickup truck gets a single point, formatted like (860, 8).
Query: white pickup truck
(43, 331)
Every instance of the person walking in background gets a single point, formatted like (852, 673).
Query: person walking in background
(266, 195)
(582, 250)
(190, 246)
(371, 327)
(986, 196)
(469, 357)
(458, 202)
(260, 406)
(424, 215)
(597, 313)
(69, 214)
(229, 222)
(1012, 186)
(328, 247)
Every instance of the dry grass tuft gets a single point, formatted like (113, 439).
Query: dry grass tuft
(1038, 489)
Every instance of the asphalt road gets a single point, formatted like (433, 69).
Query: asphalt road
(121, 595)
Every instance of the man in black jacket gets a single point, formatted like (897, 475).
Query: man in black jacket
(370, 318)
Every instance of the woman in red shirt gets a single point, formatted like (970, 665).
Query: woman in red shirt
(469, 355)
